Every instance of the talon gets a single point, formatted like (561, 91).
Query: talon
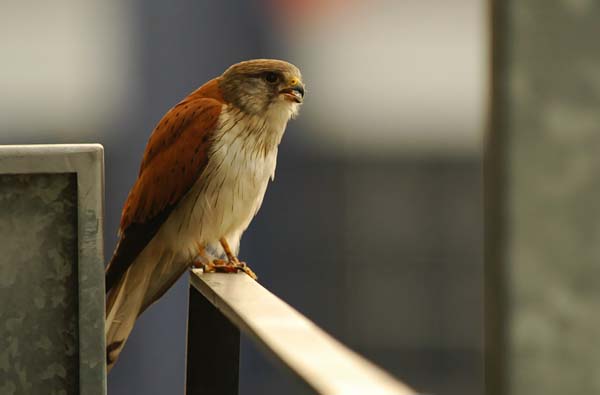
(246, 269)
(197, 264)
(208, 267)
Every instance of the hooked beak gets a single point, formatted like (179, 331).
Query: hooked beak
(294, 92)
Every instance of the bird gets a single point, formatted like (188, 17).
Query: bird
(201, 181)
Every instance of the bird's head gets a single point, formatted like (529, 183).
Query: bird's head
(264, 86)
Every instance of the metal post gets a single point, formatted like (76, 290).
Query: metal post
(52, 269)
(495, 201)
(543, 200)
(213, 350)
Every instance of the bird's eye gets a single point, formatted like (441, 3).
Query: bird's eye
(271, 77)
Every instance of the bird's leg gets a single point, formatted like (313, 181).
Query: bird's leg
(232, 258)
(234, 261)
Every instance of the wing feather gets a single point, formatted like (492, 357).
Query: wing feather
(175, 156)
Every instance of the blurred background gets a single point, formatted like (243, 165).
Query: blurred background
(373, 226)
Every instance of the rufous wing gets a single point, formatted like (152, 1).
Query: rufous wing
(175, 156)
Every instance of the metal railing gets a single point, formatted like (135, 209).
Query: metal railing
(222, 305)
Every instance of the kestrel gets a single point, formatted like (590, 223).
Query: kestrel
(202, 179)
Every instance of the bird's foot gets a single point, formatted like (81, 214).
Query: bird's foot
(223, 266)
(233, 260)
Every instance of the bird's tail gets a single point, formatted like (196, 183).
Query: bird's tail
(123, 306)
(146, 280)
